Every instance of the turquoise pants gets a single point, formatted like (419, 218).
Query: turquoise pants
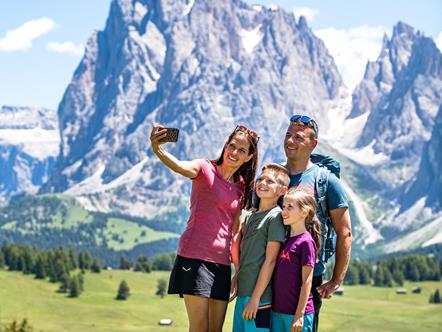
(262, 321)
(284, 322)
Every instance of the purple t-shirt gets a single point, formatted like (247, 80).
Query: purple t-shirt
(298, 251)
(214, 202)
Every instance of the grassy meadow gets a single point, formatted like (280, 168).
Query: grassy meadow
(362, 308)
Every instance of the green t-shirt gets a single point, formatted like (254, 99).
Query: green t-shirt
(257, 230)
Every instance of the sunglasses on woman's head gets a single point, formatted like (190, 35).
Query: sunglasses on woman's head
(304, 120)
(246, 130)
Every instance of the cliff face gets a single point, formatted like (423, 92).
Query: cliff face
(29, 142)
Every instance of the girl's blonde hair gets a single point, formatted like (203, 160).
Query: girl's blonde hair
(307, 202)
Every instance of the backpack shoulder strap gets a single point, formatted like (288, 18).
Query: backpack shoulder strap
(321, 186)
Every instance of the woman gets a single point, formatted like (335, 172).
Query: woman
(220, 190)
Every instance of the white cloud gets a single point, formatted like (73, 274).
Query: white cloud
(309, 13)
(352, 48)
(21, 38)
(66, 47)
(438, 41)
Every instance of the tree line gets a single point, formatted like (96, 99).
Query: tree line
(393, 271)
(58, 265)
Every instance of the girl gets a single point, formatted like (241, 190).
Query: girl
(292, 279)
(220, 189)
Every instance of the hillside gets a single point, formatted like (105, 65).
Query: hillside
(48, 221)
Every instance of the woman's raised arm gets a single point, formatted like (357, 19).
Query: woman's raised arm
(188, 169)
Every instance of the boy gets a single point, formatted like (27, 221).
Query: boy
(255, 251)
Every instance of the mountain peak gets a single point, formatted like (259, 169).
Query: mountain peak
(402, 28)
(302, 22)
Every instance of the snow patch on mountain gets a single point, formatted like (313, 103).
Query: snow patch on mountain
(365, 227)
(251, 38)
(428, 234)
(188, 7)
(343, 133)
(94, 183)
(36, 142)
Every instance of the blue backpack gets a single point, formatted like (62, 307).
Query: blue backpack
(326, 165)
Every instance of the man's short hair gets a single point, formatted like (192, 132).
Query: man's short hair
(281, 173)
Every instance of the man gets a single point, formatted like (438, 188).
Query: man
(300, 141)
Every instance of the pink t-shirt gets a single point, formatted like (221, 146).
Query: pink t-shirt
(214, 203)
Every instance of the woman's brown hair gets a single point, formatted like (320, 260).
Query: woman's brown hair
(307, 202)
(247, 171)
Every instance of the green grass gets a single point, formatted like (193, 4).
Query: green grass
(130, 234)
(362, 308)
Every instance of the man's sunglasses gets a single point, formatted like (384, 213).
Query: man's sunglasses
(304, 120)
(248, 131)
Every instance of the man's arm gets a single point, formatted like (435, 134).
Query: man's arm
(264, 277)
(342, 225)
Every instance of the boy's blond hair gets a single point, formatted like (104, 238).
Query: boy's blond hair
(281, 173)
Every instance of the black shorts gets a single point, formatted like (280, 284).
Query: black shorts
(197, 277)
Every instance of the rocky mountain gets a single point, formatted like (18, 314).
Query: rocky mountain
(395, 111)
(201, 66)
(380, 75)
(401, 94)
(429, 177)
(29, 142)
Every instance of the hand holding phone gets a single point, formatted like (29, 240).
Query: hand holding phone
(171, 135)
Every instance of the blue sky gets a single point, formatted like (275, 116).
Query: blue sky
(41, 41)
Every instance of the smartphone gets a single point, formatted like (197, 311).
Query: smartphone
(171, 135)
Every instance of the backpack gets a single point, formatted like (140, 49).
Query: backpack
(327, 165)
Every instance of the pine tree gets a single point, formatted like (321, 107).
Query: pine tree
(74, 287)
(80, 277)
(379, 276)
(161, 287)
(73, 262)
(65, 283)
(84, 260)
(60, 269)
(414, 274)
(95, 266)
(12, 256)
(51, 271)
(125, 264)
(436, 296)
(21, 266)
(142, 264)
(388, 278)
(123, 291)
(2, 260)
(364, 276)
(352, 275)
(398, 277)
(30, 260)
(40, 270)
(163, 262)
